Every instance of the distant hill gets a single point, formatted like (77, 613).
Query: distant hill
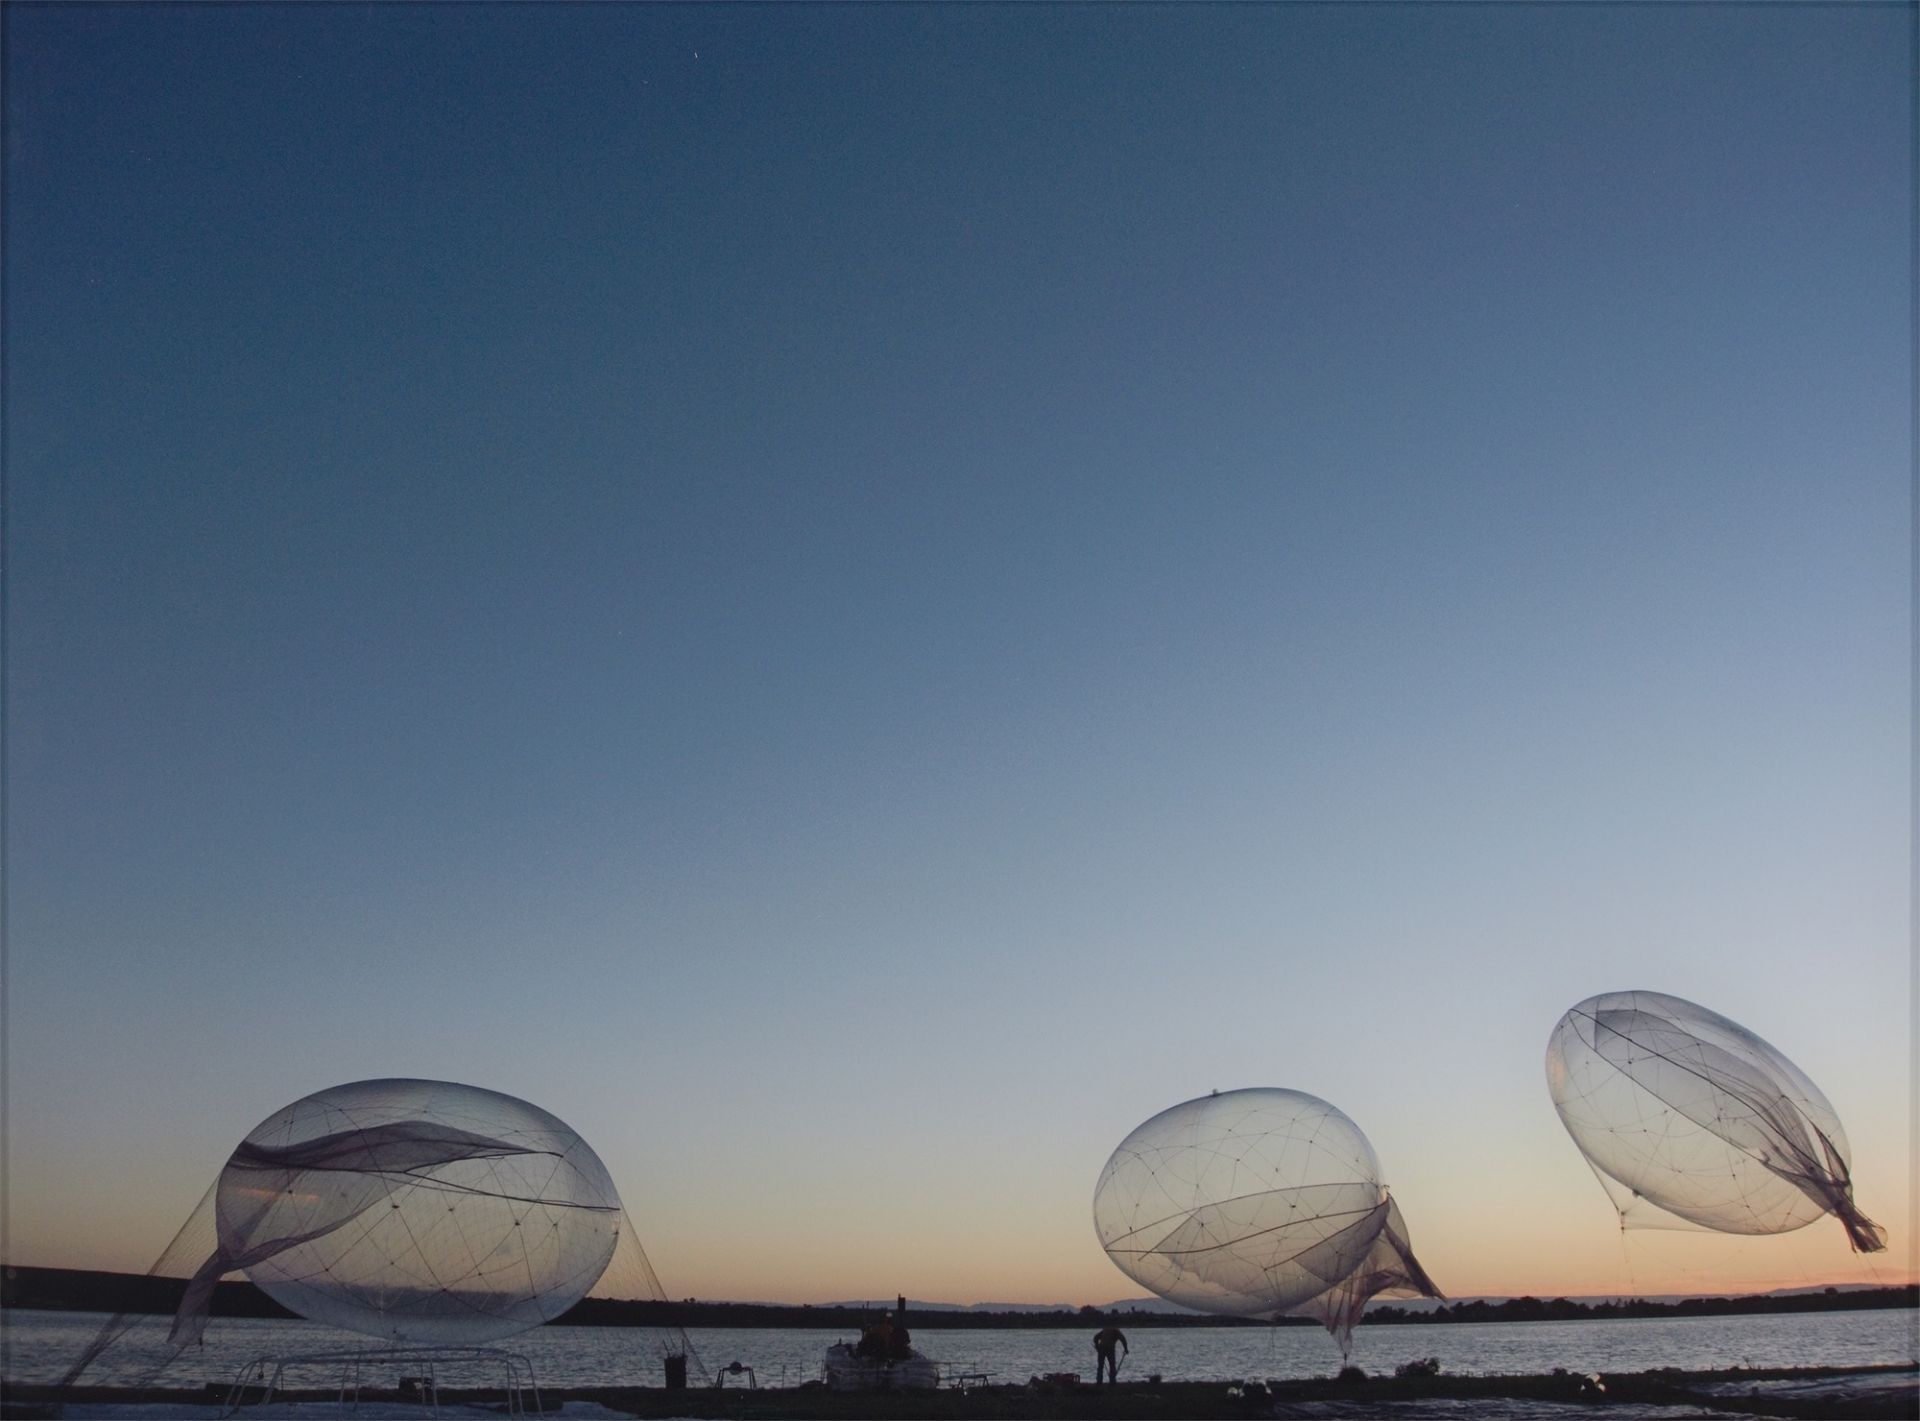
(1146, 1305)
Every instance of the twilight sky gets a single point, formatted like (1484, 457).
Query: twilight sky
(855, 600)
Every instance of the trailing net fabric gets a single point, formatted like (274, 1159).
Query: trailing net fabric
(629, 1295)
(1686, 1116)
(1389, 1270)
(419, 1213)
(178, 1260)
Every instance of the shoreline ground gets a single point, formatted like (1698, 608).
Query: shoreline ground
(1810, 1393)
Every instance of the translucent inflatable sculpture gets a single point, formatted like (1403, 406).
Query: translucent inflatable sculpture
(413, 1211)
(1256, 1203)
(1681, 1111)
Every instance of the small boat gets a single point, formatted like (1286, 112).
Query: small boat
(846, 1370)
(882, 1360)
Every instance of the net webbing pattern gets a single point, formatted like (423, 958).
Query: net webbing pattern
(1256, 1203)
(1689, 1119)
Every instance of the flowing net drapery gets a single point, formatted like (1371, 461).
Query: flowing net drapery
(1687, 1118)
(1256, 1203)
(1389, 1270)
(415, 1212)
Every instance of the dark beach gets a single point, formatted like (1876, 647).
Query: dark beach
(1856, 1394)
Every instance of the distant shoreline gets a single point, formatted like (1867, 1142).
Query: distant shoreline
(77, 1290)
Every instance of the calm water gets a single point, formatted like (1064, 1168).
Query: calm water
(40, 1345)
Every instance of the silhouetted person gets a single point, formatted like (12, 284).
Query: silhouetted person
(1105, 1366)
(884, 1341)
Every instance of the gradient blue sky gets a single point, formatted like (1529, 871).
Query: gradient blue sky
(855, 600)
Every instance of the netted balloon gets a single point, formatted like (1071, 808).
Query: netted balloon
(414, 1211)
(1256, 1203)
(1689, 1118)
(417, 1212)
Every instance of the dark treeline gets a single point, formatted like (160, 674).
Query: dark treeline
(692, 1312)
(72, 1290)
(1567, 1310)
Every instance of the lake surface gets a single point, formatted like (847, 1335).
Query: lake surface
(39, 1346)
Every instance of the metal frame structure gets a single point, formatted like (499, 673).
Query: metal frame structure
(254, 1384)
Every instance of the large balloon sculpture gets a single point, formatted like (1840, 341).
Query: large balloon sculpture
(1256, 1203)
(421, 1213)
(1680, 1110)
(413, 1211)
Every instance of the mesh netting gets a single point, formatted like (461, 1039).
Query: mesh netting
(1688, 1118)
(1256, 1203)
(1388, 1270)
(415, 1212)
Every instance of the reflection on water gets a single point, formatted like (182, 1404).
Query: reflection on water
(40, 1345)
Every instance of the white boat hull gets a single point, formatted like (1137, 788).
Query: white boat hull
(844, 1370)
